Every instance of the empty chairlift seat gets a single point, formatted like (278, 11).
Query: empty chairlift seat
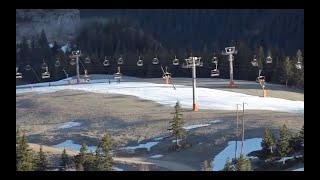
(106, 62)
(214, 60)
(28, 67)
(46, 74)
(57, 63)
(86, 76)
(298, 65)
(254, 62)
(215, 73)
(73, 62)
(175, 61)
(120, 61)
(44, 66)
(18, 74)
(260, 78)
(140, 62)
(155, 60)
(117, 75)
(87, 60)
(269, 60)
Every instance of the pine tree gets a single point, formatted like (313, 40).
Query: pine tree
(301, 133)
(106, 143)
(44, 49)
(18, 141)
(100, 163)
(18, 136)
(24, 53)
(24, 155)
(298, 74)
(268, 141)
(103, 156)
(177, 124)
(287, 69)
(43, 41)
(41, 161)
(243, 164)
(228, 166)
(80, 159)
(90, 162)
(242, 61)
(64, 159)
(283, 143)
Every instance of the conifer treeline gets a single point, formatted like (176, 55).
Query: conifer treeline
(166, 33)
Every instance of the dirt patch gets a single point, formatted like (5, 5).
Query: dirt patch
(131, 120)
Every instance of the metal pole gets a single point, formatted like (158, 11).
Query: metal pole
(231, 69)
(242, 127)
(237, 134)
(194, 106)
(78, 74)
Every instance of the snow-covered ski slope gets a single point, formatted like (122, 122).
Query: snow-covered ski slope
(166, 95)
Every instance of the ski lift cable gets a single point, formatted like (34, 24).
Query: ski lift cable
(81, 64)
(65, 73)
(35, 74)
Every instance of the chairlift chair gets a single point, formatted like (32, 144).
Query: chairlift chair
(73, 62)
(28, 67)
(106, 62)
(140, 62)
(118, 75)
(120, 61)
(46, 74)
(254, 62)
(155, 60)
(87, 60)
(298, 65)
(86, 76)
(18, 74)
(199, 62)
(215, 72)
(260, 78)
(269, 60)
(175, 61)
(44, 65)
(185, 65)
(214, 60)
(57, 63)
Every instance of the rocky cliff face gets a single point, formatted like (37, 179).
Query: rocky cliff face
(59, 24)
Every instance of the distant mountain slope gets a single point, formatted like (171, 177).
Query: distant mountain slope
(59, 24)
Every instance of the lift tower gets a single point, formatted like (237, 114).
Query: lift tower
(192, 62)
(76, 54)
(230, 51)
